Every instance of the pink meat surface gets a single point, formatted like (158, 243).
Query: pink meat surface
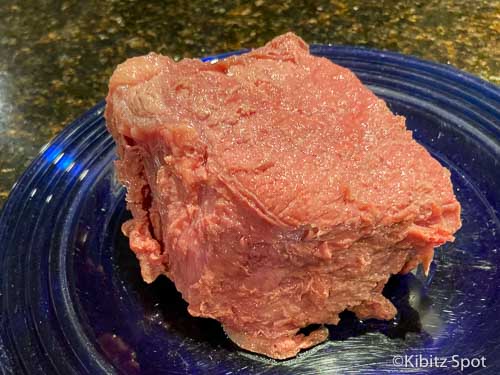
(273, 189)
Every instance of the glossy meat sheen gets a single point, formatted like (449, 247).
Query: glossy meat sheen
(273, 189)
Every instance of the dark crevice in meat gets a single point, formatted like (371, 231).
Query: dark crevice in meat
(147, 206)
(308, 329)
(146, 198)
(129, 141)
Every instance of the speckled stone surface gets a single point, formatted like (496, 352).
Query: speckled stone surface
(56, 56)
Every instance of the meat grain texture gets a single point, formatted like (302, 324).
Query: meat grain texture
(273, 189)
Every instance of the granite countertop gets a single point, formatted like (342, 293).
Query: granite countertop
(56, 56)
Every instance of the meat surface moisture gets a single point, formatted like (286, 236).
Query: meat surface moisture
(273, 189)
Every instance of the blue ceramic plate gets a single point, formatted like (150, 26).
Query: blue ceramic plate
(72, 299)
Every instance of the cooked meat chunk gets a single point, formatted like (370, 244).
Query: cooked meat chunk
(273, 189)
